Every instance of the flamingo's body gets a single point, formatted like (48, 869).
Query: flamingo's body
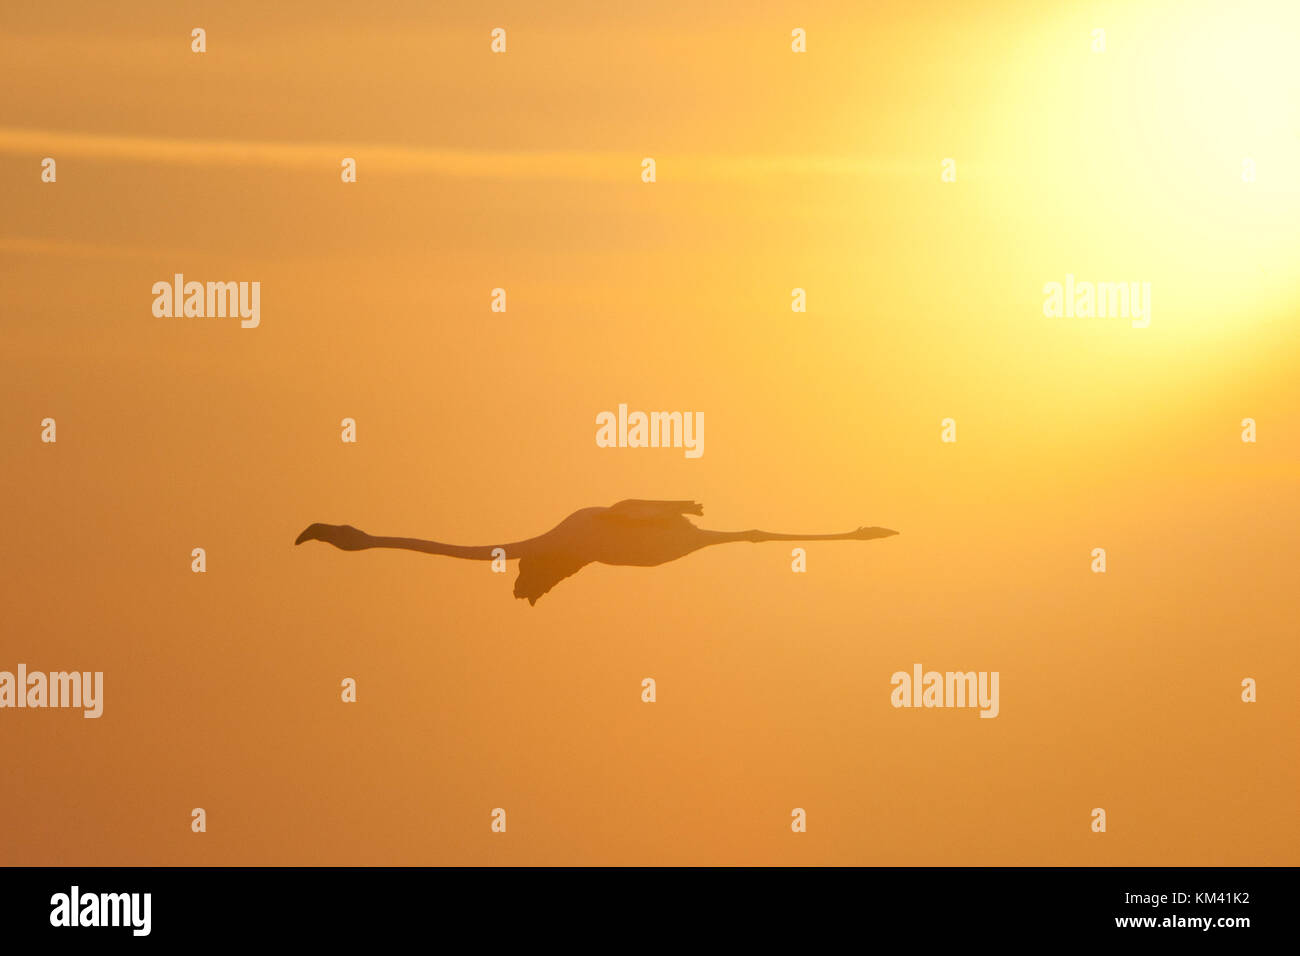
(633, 532)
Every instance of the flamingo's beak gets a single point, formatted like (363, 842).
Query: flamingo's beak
(310, 533)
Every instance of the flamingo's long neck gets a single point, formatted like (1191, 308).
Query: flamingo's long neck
(484, 552)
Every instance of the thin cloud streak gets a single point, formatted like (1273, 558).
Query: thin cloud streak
(457, 164)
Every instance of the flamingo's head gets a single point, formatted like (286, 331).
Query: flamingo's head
(342, 536)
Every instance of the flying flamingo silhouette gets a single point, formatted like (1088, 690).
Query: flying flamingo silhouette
(634, 532)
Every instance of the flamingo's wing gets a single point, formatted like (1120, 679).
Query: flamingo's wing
(640, 509)
(539, 573)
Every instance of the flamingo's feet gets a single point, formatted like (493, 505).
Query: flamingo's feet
(867, 534)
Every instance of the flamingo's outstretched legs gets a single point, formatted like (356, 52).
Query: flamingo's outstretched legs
(755, 535)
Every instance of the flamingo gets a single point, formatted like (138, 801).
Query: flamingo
(635, 532)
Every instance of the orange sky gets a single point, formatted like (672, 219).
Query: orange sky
(775, 171)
